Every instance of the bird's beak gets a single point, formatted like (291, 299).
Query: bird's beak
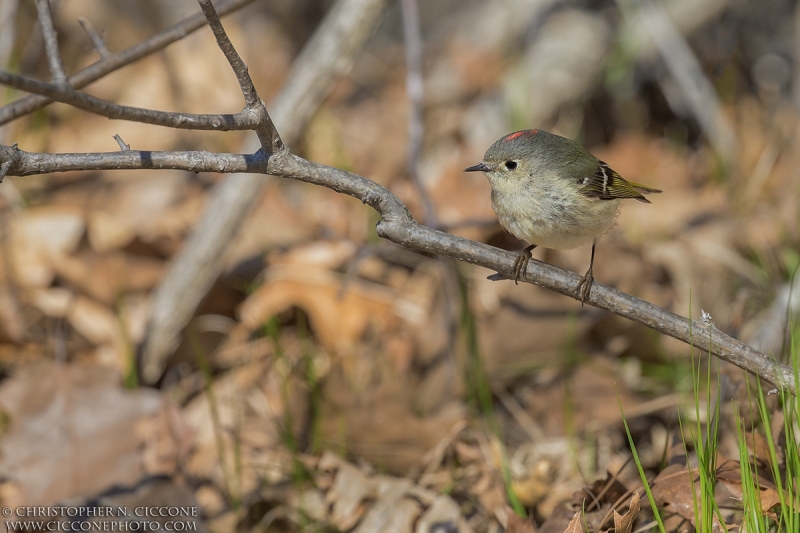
(480, 167)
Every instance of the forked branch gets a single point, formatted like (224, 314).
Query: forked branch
(113, 62)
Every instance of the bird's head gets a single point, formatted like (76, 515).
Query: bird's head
(513, 157)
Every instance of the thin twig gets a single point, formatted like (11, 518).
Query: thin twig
(97, 41)
(246, 120)
(397, 225)
(251, 98)
(51, 41)
(267, 133)
(8, 14)
(415, 88)
(105, 66)
(122, 144)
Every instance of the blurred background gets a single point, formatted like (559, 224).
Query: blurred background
(327, 369)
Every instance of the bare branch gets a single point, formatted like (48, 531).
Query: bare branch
(97, 41)
(122, 144)
(246, 120)
(51, 41)
(22, 163)
(97, 70)
(8, 14)
(4, 168)
(251, 98)
(397, 225)
(267, 133)
(415, 88)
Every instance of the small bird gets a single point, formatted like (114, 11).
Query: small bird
(550, 191)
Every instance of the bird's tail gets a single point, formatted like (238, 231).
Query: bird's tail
(643, 188)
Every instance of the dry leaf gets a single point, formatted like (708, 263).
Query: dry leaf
(348, 494)
(12, 327)
(106, 277)
(516, 524)
(675, 490)
(74, 431)
(382, 424)
(339, 320)
(624, 523)
(53, 301)
(325, 255)
(94, 321)
(392, 511)
(672, 488)
(558, 520)
(143, 206)
(443, 510)
(383, 503)
(729, 474)
(758, 447)
(601, 490)
(312, 504)
(249, 405)
(527, 326)
(575, 525)
(107, 232)
(39, 238)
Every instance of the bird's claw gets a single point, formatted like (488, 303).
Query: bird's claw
(585, 286)
(520, 265)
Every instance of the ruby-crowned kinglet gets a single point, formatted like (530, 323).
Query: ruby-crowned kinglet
(550, 191)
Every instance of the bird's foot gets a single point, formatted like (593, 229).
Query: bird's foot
(521, 264)
(585, 286)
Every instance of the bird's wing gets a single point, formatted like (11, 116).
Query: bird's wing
(606, 184)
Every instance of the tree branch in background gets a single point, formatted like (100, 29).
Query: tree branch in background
(51, 41)
(107, 65)
(21, 163)
(8, 15)
(412, 38)
(65, 94)
(97, 40)
(267, 134)
(415, 87)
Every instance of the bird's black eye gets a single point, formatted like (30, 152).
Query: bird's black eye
(511, 165)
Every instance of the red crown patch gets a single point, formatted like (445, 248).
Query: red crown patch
(518, 134)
